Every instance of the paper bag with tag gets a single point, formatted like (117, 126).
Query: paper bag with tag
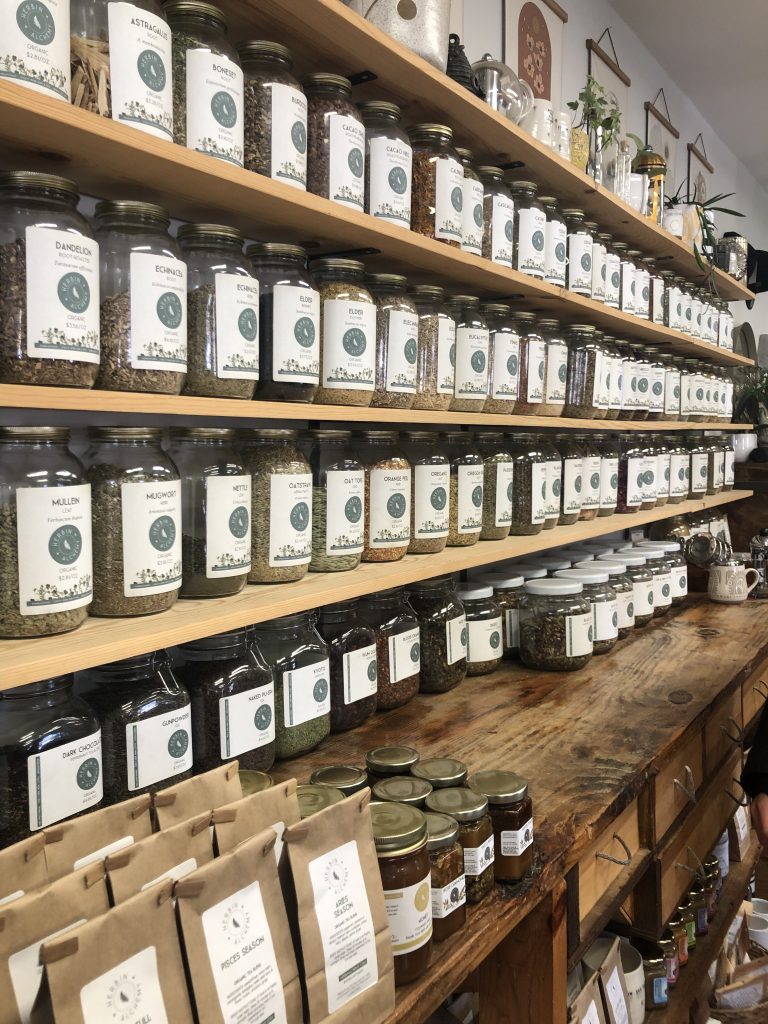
(199, 795)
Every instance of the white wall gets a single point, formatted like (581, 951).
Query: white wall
(588, 19)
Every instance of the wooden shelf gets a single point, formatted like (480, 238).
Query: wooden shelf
(103, 640)
(108, 403)
(109, 159)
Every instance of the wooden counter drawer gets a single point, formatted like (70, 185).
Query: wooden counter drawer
(674, 788)
(723, 733)
(754, 693)
(609, 855)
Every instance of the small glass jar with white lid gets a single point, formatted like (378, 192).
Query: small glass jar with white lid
(642, 579)
(388, 163)
(623, 589)
(604, 603)
(555, 625)
(679, 567)
(661, 570)
(530, 229)
(484, 629)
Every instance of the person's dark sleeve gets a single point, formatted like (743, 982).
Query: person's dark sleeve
(754, 778)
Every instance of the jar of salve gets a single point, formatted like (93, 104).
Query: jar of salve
(403, 789)
(441, 772)
(383, 762)
(470, 810)
(344, 777)
(446, 858)
(511, 810)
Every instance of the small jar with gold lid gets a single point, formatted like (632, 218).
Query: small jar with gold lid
(511, 811)
(446, 857)
(383, 762)
(441, 772)
(343, 777)
(470, 810)
(403, 789)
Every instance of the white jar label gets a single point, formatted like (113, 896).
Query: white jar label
(449, 199)
(456, 636)
(580, 264)
(246, 721)
(515, 842)
(409, 915)
(504, 493)
(657, 300)
(290, 519)
(345, 523)
(612, 280)
(346, 161)
(389, 514)
(484, 639)
(650, 482)
(656, 391)
(719, 469)
(306, 693)
(730, 476)
(605, 619)
(35, 45)
(609, 482)
(662, 590)
(591, 479)
(227, 526)
(629, 385)
(140, 68)
(627, 287)
(578, 635)
(449, 898)
(402, 350)
(555, 252)
(243, 960)
(679, 475)
(446, 355)
(502, 230)
(54, 548)
(471, 362)
(140, 976)
(599, 388)
(557, 373)
(158, 748)
(573, 486)
(537, 351)
(431, 495)
(478, 859)
(531, 231)
(538, 493)
(554, 489)
(404, 654)
(470, 503)
(672, 391)
(472, 217)
(359, 674)
(699, 472)
(616, 383)
(62, 304)
(506, 365)
(151, 521)
(346, 926)
(635, 481)
(626, 608)
(643, 293)
(349, 344)
(679, 580)
(237, 327)
(598, 271)
(663, 473)
(215, 106)
(511, 629)
(643, 592)
(390, 176)
(158, 313)
(296, 334)
(288, 159)
(64, 780)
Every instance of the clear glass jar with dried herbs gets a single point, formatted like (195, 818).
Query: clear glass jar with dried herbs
(430, 491)
(503, 357)
(336, 141)
(554, 465)
(470, 810)
(338, 497)
(530, 229)
(660, 569)
(387, 506)
(555, 248)
(615, 373)
(555, 625)
(679, 469)
(598, 262)
(604, 603)
(532, 370)
(388, 163)
(397, 341)
(353, 664)
(585, 369)
(499, 217)
(579, 276)
(443, 633)
(612, 271)
(472, 213)
(498, 485)
(642, 582)
(49, 284)
(623, 589)
(438, 184)
(608, 449)
(529, 507)
(471, 354)
(437, 344)
(507, 590)
(467, 481)
(678, 566)
(347, 333)
(398, 646)
(484, 629)
(572, 489)
(556, 372)
(591, 474)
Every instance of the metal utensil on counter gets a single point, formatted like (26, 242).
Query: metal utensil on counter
(705, 550)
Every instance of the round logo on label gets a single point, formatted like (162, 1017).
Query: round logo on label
(169, 310)
(415, 652)
(537, 240)
(590, 634)
(586, 261)
(178, 744)
(238, 522)
(372, 671)
(320, 690)
(512, 365)
(658, 387)
(422, 898)
(631, 610)
(74, 292)
(642, 384)
(682, 582)
(541, 371)
(699, 394)
(556, 488)
(354, 342)
(594, 481)
(509, 230)
(398, 180)
(602, 272)
(650, 597)
(353, 509)
(614, 480)
(396, 506)
(299, 136)
(477, 361)
(494, 639)
(477, 496)
(248, 324)
(124, 997)
(162, 533)
(703, 471)
(577, 485)
(640, 480)
(666, 473)
(615, 279)
(356, 161)
(510, 491)
(304, 331)
(457, 199)
(452, 355)
(88, 773)
(36, 22)
(665, 590)
(224, 109)
(646, 294)
(560, 252)
(464, 636)
(648, 477)
(439, 498)
(65, 544)
(263, 718)
(562, 373)
(151, 70)
(300, 516)
(615, 619)
(681, 473)
(410, 350)
(478, 215)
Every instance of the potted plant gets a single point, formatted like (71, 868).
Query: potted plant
(750, 405)
(598, 126)
(694, 223)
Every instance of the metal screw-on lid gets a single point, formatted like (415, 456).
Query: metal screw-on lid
(127, 210)
(386, 281)
(490, 173)
(462, 804)
(377, 435)
(316, 798)
(261, 49)
(324, 264)
(321, 434)
(201, 434)
(403, 789)
(284, 250)
(178, 8)
(499, 787)
(391, 760)
(343, 777)
(275, 434)
(428, 291)
(431, 131)
(463, 300)
(441, 772)
(37, 181)
(442, 830)
(323, 80)
(527, 186)
(196, 234)
(254, 782)
(573, 212)
(397, 828)
(58, 434)
(124, 434)
(380, 108)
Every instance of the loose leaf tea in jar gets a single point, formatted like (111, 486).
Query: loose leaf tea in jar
(499, 217)
(336, 140)
(554, 475)
(473, 203)
(503, 358)
(438, 185)
(398, 646)
(352, 656)
(443, 634)
(347, 333)
(388, 163)
(605, 607)
(430, 492)
(484, 629)
(387, 505)
(437, 346)
(529, 504)
(572, 456)
(530, 228)
(467, 482)
(556, 373)
(46, 555)
(532, 370)
(555, 625)
(585, 367)
(397, 341)
(49, 284)
(507, 591)
(498, 485)
(470, 389)
(338, 501)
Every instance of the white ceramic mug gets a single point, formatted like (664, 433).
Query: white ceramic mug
(634, 975)
(539, 121)
(729, 583)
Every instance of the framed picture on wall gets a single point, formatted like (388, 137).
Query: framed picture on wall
(533, 45)
(603, 65)
(662, 136)
(700, 172)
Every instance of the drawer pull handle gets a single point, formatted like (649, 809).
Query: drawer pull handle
(689, 786)
(744, 802)
(738, 739)
(694, 871)
(615, 860)
(761, 689)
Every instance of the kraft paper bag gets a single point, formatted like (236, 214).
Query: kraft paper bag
(173, 854)
(275, 808)
(236, 938)
(124, 967)
(345, 941)
(74, 844)
(613, 986)
(199, 795)
(32, 920)
(22, 868)
(587, 1007)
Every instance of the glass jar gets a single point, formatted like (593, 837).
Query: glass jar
(338, 500)
(628, 381)
(347, 333)
(530, 229)
(398, 646)
(313, 799)
(697, 314)
(511, 811)
(275, 113)
(437, 342)
(572, 488)
(688, 914)
(498, 489)
(233, 701)
(699, 453)
(335, 141)
(346, 778)
(448, 884)
(661, 571)
(400, 837)
(215, 512)
(642, 285)
(438, 184)
(579, 276)
(441, 772)
(35, 51)
(145, 715)
(556, 374)
(143, 300)
(591, 477)
(289, 323)
(556, 242)
(672, 386)
(484, 629)
(472, 212)
(298, 658)
(430, 491)
(532, 372)
(471, 355)
(498, 217)
(383, 762)
(642, 580)
(281, 505)
(631, 475)
(555, 625)
(673, 309)
(49, 286)
(443, 634)
(585, 372)
(507, 591)
(698, 902)
(622, 587)
(388, 163)
(679, 469)
(680, 936)
(49, 735)
(554, 465)
(642, 368)
(602, 598)
(675, 558)
(608, 448)
(658, 288)
(612, 271)
(387, 505)
(663, 470)
(715, 464)
(657, 382)
(503, 358)
(470, 810)
(656, 983)
(402, 789)
(397, 341)
(627, 272)
(729, 457)
(529, 505)
(352, 658)
(46, 555)
(466, 499)
(598, 262)
(137, 522)
(614, 366)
